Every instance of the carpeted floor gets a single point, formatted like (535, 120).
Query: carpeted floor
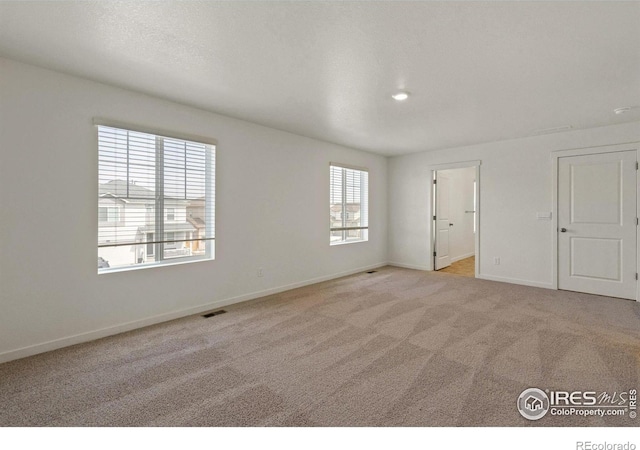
(396, 347)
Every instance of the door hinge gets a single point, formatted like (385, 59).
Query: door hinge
(636, 165)
(434, 217)
(434, 253)
(434, 181)
(637, 223)
(636, 276)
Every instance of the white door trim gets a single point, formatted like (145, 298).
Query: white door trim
(555, 157)
(431, 171)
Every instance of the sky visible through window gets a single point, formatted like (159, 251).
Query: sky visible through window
(353, 180)
(130, 156)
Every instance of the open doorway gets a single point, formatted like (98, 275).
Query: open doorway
(455, 220)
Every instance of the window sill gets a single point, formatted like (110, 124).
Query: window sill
(135, 267)
(332, 244)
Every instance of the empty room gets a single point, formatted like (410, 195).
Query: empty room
(319, 214)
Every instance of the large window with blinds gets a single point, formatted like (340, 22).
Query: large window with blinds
(348, 204)
(156, 200)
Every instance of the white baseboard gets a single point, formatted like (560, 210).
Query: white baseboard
(458, 258)
(408, 266)
(153, 320)
(516, 281)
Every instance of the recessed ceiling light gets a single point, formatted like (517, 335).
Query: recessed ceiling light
(622, 110)
(400, 96)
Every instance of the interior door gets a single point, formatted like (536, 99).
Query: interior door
(442, 257)
(597, 224)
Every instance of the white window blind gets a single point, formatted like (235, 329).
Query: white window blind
(348, 204)
(156, 199)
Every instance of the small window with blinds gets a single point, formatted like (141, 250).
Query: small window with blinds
(348, 204)
(156, 200)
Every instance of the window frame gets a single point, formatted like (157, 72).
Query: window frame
(157, 203)
(346, 216)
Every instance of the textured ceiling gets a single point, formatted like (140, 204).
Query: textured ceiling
(477, 71)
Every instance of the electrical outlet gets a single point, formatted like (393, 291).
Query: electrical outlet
(496, 261)
(260, 272)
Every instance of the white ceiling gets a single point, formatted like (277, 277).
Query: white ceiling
(477, 71)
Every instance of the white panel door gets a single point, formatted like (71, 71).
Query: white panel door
(597, 224)
(443, 257)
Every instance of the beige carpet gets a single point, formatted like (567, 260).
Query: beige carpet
(396, 347)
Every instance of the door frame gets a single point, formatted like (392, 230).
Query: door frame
(432, 169)
(555, 158)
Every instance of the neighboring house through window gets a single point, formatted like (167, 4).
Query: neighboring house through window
(348, 204)
(108, 214)
(150, 245)
(155, 199)
(169, 241)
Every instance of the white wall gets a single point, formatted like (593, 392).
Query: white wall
(272, 198)
(461, 236)
(515, 183)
